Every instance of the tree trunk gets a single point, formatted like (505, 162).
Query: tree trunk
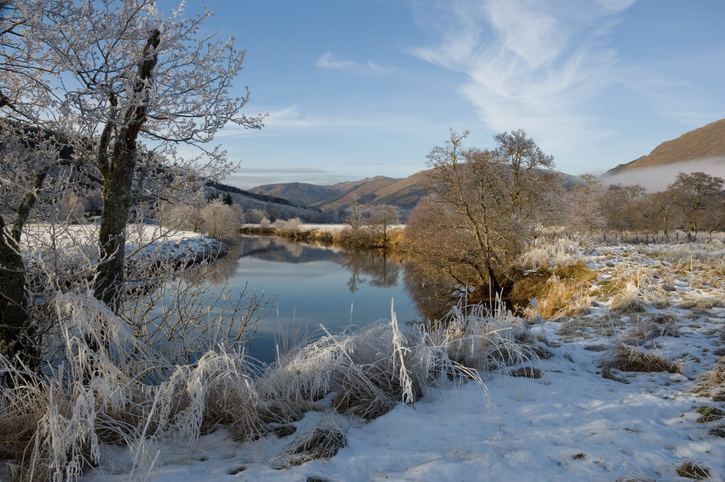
(112, 237)
(16, 333)
(118, 178)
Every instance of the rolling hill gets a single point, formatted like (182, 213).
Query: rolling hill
(704, 143)
(403, 193)
(297, 192)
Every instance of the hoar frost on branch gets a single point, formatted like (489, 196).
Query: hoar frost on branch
(108, 89)
(125, 73)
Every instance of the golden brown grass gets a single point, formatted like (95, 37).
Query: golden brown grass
(633, 287)
(565, 291)
(712, 384)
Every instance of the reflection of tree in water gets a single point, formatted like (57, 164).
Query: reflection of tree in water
(382, 271)
(435, 292)
(295, 249)
(432, 293)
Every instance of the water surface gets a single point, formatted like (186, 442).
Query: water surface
(315, 286)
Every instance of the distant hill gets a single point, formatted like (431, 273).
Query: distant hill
(282, 208)
(297, 192)
(704, 143)
(403, 193)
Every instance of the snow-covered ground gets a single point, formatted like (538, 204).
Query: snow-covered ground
(144, 242)
(570, 424)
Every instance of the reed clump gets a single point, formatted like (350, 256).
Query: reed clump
(564, 291)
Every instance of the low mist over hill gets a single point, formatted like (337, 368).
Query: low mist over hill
(701, 149)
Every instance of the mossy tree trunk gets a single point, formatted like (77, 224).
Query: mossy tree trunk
(117, 168)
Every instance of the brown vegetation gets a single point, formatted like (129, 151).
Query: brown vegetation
(692, 470)
(483, 210)
(627, 359)
(559, 292)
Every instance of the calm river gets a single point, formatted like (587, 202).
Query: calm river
(315, 286)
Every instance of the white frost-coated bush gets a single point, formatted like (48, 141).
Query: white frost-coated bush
(483, 339)
(108, 388)
(86, 386)
(373, 368)
(217, 390)
(369, 369)
(291, 226)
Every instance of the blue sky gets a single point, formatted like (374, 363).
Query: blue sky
(357, 88)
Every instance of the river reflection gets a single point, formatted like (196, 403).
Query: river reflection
(313, 286)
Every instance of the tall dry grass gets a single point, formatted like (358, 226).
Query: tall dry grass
(634, 286)
(106, 387)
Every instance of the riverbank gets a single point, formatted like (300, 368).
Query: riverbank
(335, 235)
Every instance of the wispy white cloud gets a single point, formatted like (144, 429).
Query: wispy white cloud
(330, 62)
(615, 5)
(305, 118)
(281, 170)
(531, 64)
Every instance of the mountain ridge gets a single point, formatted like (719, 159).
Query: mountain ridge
(702, 143)
(403, 193)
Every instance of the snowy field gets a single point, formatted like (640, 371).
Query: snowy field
(569, 424)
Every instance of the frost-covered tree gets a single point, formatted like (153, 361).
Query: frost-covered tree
(108, 89)
(118, 74)
(582, 208)
(220, 220)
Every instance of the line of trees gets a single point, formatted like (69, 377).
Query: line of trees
(693, 202)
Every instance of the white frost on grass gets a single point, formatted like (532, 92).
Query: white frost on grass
(572, 424)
